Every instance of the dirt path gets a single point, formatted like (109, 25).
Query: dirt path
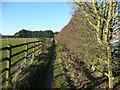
(49, 77)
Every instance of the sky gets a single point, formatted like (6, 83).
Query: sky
(34, 16)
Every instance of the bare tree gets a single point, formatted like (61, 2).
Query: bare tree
(104, 17)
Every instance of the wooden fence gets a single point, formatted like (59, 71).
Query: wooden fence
(36, 47)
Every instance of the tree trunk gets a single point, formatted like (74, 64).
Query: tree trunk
(110, 68)
(99, 39)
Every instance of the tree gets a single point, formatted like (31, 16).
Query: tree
(56, 33)
(34, 34)
(103, 16)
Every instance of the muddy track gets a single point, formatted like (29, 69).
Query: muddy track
(49, 76)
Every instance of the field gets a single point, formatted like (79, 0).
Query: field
(14, 59)
(12, 42)
(5, 42)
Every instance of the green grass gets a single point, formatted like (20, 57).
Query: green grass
(13, 42)
(59, 73)
(14, 50)
(36, 73)
(76, 74)
(33, 75)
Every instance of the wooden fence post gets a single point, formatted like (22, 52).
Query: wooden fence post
(33, 54)
(26, 52)
(39, 47)
(8, 64)
(43, 43)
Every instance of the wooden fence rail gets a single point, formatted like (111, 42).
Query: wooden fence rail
(36, 47)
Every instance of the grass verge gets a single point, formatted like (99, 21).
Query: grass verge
(59, 73)
(33, 76)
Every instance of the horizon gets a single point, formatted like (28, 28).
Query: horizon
(29, 30)
(34, 16)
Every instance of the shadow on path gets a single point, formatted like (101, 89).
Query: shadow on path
(34, 76)
(49, 77)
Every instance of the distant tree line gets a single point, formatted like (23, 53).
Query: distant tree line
(35, 34)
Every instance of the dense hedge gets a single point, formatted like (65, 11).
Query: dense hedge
(80, 38)
(78, 35)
